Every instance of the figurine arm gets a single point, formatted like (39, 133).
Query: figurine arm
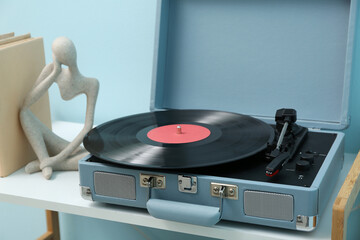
(91, 97)
(91, 90)
(45, 80)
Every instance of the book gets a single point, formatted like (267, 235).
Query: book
(6, 35)
(9, 38)
(21, 62)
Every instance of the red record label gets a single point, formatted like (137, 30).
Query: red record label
(178, 133)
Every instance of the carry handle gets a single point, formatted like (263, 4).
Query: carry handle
(179, 211)
(184, 212)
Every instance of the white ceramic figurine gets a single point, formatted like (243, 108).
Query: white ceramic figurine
(53, 152)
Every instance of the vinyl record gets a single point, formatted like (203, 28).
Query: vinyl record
(179, 139)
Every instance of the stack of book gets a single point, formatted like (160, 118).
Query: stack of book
(21, 62)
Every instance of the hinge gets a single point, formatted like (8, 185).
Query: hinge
(229, 191)
(152, 181)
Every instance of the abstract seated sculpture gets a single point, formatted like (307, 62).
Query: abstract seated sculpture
(53, 152)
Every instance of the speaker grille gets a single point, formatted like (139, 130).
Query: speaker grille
(269, 205)
(115, 185)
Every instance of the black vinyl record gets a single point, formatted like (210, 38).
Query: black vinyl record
(230, 137)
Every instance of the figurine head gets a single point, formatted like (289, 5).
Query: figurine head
(64, 51)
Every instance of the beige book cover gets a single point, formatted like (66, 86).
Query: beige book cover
(7, 35)
(10, 39)
(20, 64)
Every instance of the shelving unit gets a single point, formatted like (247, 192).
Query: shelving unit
(62, 194)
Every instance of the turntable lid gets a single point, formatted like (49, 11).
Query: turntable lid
(254, 57)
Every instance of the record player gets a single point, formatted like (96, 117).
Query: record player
(276, 80)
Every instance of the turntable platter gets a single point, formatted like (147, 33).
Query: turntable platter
(179, 139)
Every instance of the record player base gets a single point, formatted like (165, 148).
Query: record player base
(261, 203)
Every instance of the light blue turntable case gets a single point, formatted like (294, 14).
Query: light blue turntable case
(251, 57)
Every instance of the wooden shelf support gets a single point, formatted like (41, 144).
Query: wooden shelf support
(345, 200)
(53, 230)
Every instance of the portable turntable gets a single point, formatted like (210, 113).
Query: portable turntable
(251, 63)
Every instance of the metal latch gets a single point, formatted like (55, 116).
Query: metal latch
(187, 184)
(152, 181)
(226, 190)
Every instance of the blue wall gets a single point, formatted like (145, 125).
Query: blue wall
(353, 132)
(115, 42)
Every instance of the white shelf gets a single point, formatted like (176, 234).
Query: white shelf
(62, 194)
